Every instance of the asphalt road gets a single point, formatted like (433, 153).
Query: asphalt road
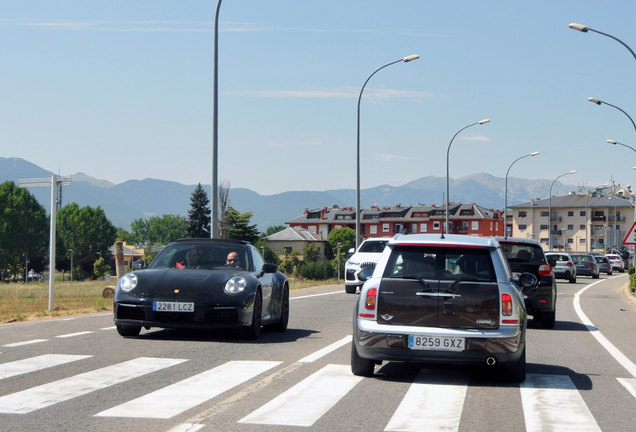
(78, 374)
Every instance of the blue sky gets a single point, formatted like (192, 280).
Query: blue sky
(122, 90)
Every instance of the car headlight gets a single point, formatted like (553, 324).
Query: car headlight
(351, 263)
(236, 285)
(128, 282)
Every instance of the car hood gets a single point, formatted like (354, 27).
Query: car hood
(360, 257)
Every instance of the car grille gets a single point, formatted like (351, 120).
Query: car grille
(351, 275)
(222, 316)
(130, 312)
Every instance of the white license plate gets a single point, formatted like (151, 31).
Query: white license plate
(160, 306)
(436, 343)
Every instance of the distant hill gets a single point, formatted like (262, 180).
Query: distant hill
(135, 199)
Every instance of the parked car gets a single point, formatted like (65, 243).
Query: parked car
(586, 265)
(441, 300)
(617, 262)
(564, 268)
(203, 283)
(604, 264)
(368, 253)
(527, 256)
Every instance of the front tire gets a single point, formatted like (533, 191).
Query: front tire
(128, 330)
(254, 330)
(516, 373)
(360, 366)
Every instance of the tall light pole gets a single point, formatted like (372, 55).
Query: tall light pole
(480, 122)
(338, 245)
(599, 102)
(358, 210)
(584, 29)
(550, 209)
(214, 223)
(506, 193)
(71, 251)
(587, 217)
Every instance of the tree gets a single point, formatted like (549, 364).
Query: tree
(345, 236)
(273, 230)
(238, 226)
(24, 228)
(139, 231)
(87, 231)
(199, 214)
(269, 254)
(310, 254)
(224, 202)
(166, 229)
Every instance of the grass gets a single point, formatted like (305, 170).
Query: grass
(22, 302)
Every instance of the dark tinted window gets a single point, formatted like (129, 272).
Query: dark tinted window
(558, 257)
(441, 263)
(372, 246)
(582, 258)
(208, 256)
(522, 252)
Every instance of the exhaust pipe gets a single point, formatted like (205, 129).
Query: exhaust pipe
(491, 361)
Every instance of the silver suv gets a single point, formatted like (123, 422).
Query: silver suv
(564, 268)
(441, 300)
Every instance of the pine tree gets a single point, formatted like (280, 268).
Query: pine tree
(199, 214)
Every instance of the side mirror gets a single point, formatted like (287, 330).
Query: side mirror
(552, 262)
(365, 274)
(269, 268)
(139, 265)
(527, 280)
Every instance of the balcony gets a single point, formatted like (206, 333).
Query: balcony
(601, 218)
(556, 219)
(556, 232)
(616, 219)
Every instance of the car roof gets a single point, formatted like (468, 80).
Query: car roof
(447, 240)
(518, 240)
(212, 241)
(377, 239)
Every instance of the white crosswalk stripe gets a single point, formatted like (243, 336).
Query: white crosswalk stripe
(33, 364)
(186, 394)
(433, 403)
(552, 403)
(59, 391)
(307, 401)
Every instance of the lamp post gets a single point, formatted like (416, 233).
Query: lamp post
(506, 193)
(358, 210)
(550, 209)
(214, 223)
(599, 102)
(338, 245)
(584, 29)
(587, 217)
(71, 251)
(480, 122)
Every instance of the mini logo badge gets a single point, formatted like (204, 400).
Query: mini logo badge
(387, 317)
(485, 321)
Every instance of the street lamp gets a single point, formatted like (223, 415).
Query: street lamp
(480, 122)
(214, 223)
(598, 102)
(550, 209)
(338, 257)
(506, 193)
(358, 210)
(585, 29)
(71, 251)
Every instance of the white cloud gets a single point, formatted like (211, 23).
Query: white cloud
(475, 138)
(381, 157)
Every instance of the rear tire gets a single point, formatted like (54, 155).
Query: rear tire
(573, 279)
(360, 366)
(128, 330)
(548, 319)
(254, 330)
(516, 373)
(351, 289)
(596, 276)
(281, 325)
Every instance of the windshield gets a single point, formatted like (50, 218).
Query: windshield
(372, 246)
(201, 256)
(522, 252)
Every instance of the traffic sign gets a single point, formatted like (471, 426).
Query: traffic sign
(630, 238)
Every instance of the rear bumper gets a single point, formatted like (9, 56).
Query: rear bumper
(567, 274)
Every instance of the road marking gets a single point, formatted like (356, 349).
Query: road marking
(316, 295)
(17, 344)
(552, 403)
(179, 397)
(187, 427)
(609, 347)
(323, 352)
(59, 391)
(33, 364)
(434, 402)
(74, 334)
(109, 328)
(308, 400)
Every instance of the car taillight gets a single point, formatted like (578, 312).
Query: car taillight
(618, 261)
(545, 270)
(506, 304)
(590, 265)
(569, 264)
(369, 304)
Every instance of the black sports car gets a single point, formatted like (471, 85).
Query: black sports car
(203, 283)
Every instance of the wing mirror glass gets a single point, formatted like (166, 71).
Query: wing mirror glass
(365, 274)
(139, 265)
(527, 280)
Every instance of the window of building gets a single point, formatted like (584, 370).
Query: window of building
(423, 227)
(523, 214)
(544, 240)
(570, 227)
(414, 228)
(288, 250)
(582, 226)
(544, 213)
(582, 213)
(474, 225)
(466, 212)
(598, 227)
(490, 225)
(435, 225)
(570, 240)
(385, 227)
(570, 213)
(313, 229)
(523, 227)
(373, 229)
(582, 241)
(544, 227)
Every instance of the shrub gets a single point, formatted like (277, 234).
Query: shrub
(632, 282)
(316, 271)
(631, 270)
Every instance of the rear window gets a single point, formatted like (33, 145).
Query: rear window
(372, 246)
(582, 258)
(522, 252)
(440, 263)
(558, 257)
(601, 259)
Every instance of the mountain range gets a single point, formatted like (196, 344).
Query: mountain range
(133, 199)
